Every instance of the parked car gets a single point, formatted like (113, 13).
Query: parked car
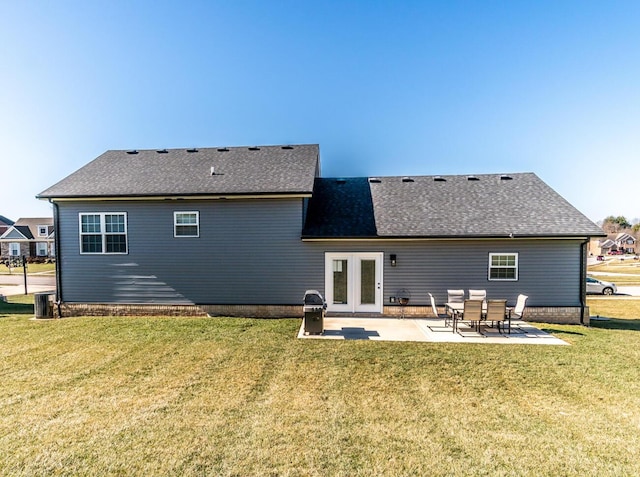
(599, 286)
(600, 258)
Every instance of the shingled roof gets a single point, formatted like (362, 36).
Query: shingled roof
(28, 228)
(489, 205)
(286, 170)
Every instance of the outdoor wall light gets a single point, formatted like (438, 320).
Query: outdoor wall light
(393, 259)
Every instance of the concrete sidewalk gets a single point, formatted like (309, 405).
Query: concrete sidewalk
(427, 330)
(36, 283)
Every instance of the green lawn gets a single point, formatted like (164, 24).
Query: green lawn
(31, 268)
(629, 268)
(205, 396)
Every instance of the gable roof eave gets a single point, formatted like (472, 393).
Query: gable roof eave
(310, 238)
(13, 228)
(190, 196)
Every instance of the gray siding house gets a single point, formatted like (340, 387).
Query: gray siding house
(244, 231)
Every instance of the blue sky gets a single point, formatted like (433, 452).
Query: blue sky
(385, 88)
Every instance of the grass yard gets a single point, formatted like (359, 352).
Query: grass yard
(625, 273)
(31, 268)
(237, 397)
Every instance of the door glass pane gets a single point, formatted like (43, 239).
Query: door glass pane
(367, 282)
(339, 282)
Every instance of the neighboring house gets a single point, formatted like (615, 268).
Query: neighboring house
(245, 231)
(600, 246)
(614, 243)
(32, 238)
(4, 224)
(625, 242)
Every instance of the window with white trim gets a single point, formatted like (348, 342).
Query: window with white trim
(41, 249)
(103, 232)
(186, 224)
(503, 266)
(14, 249)
(42, 230)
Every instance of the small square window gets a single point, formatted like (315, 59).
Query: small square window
(186, 224)
(503, 266)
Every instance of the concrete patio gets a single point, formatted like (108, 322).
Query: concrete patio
(427, 330)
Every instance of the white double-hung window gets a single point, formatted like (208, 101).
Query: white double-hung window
(503, 266)
(186, 224)
(103, 232)
(42, 249)
(14, 249)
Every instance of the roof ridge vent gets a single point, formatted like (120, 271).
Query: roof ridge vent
(162, 151)
(472, 178)
(192, 150)
(341, 181)
(132, 152)
(223, 149)
(439, 179)
(374, 180)
(407, 179)
(286, 147)
(254, 148)
(505, 177)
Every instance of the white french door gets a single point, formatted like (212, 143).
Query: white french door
(353, 282)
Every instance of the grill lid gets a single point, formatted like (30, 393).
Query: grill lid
(313, 297)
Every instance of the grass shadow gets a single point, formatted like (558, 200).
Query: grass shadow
(616, 324)
(15, 309)
(555, 331)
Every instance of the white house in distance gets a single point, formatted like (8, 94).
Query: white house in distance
(32, 238)
(619, 244)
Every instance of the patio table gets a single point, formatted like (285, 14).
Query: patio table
(456, 308)
(459, 307)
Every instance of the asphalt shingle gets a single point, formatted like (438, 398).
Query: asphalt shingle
(175, 172)
(340, 208)
(488, 205)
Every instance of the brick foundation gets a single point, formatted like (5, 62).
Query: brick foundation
(569, 315)
(561, 315)
(557, 315)
(95, 309)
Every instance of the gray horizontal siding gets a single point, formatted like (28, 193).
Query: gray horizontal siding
(243, 245)
(250, 252)
(549, 270)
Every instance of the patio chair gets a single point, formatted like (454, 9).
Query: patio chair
(497, 314)
(472, 313)
(447, 319)
(454, 296)
(518, 312)
(478, 295)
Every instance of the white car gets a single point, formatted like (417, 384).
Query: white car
(598, 286)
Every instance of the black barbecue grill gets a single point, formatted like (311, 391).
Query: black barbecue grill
(314, 307)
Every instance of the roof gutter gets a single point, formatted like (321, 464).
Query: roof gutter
(307, 238)
(58, 249)
(583, 279)
(267, 195)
